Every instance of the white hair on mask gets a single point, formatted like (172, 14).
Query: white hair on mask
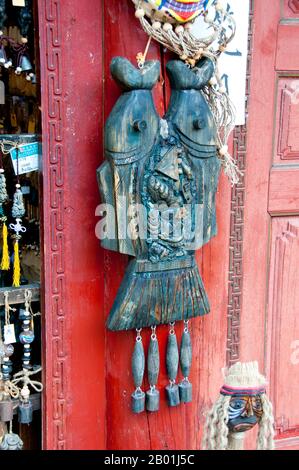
(216, 431)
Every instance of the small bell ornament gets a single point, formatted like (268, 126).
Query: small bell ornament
(25, 64)
(25, 412)
(3, 57)
(6, 410)
(25, 409)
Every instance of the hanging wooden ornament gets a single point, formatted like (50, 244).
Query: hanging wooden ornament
(158, 187)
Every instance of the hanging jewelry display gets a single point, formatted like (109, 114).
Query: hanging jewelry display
(3, 198)
(10, 441)
(17, 212)
(26, 337)
(241, 405)
(159, 181)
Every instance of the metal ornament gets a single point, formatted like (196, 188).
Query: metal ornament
(153, 367)
(172, 364)
(185, 387)
(138, 364)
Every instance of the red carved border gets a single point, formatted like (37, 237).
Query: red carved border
(235, 275)
(54, 346)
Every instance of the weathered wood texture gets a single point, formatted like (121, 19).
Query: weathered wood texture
(269, 324)
(16, 295)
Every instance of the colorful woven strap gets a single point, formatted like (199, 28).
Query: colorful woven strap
(182, 10)
(241, 391)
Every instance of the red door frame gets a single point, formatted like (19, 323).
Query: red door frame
(73, 356)
(85, 369)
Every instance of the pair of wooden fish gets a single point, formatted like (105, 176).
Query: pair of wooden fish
(159, 180)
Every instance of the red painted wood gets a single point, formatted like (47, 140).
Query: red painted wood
(284, 191)
(74, 333)
(288, 40)
(269, 323)
(259, 156)
(283, 325)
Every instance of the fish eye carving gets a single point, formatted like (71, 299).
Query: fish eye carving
(139, 126)
(198, 123)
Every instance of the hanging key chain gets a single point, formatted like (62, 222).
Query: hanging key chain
(9, 389)
(25, 410)
(18, 211)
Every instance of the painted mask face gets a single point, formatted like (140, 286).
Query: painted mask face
(244, 412)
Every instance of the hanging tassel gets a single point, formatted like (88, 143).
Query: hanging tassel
(5, 253)
(16, 266)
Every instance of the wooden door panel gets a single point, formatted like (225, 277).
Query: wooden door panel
(284, 191)
(271, 235)
(286, 144)
(287, 47)
(283, 324)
